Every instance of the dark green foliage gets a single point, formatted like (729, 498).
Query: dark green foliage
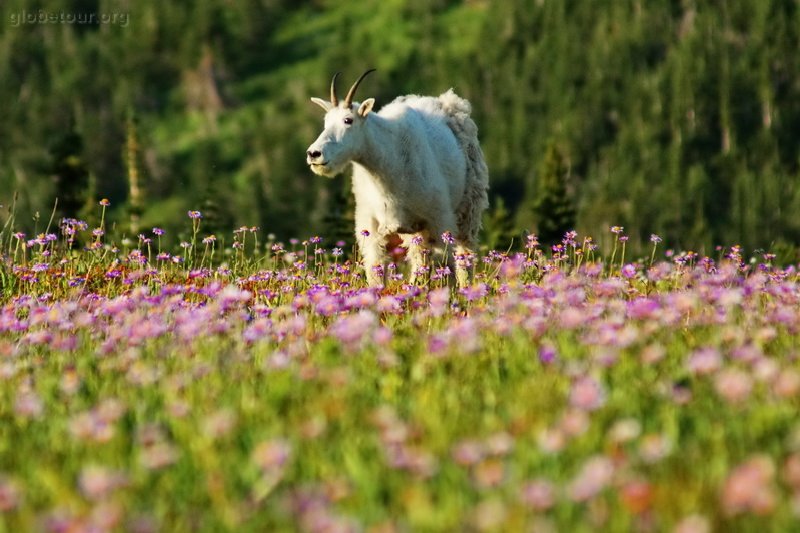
(338, 223)
(553, 206)
(498, 226)
(679, 118)
(217, 220)
(69, 173)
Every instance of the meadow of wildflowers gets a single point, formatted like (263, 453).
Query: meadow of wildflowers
(261, 386)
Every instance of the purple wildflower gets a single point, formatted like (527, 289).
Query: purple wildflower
(629, 271)
(547, 354)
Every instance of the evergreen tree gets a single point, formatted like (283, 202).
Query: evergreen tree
(553, 207)
(214, 220)
(70, 174)
(498, 226)
(339, 219)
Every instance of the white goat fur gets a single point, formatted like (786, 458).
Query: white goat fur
(418, 170)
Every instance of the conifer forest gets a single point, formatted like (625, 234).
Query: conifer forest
(675, 117)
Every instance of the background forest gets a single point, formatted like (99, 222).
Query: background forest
(677, 117)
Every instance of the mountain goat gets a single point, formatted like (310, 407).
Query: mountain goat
(418, 174)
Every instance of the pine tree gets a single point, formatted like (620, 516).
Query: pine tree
(498, 226)
(553, 207)
(69, 173)
(339, 219)
(214, 220)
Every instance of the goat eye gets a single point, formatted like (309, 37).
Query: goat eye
(348, 120)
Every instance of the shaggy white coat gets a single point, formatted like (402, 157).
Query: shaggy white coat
(418, 170)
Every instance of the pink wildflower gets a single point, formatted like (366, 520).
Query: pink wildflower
(587, 393)
(468, 452)
(272, 454)
(158, 456)
(539, 494)
(595, 475)
(694, 523)
(97, 482)
(704, 361)
(219, 423)
(733, 385)
(750, 488)
(787, 383)
(10, 494)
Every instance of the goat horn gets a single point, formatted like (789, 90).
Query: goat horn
(334, 99)
(349, 98)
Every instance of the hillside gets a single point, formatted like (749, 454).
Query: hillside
(676, 118)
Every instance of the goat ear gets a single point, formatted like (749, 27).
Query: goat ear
(366, 107)
(324, 104)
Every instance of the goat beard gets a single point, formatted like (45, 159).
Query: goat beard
(328, 170)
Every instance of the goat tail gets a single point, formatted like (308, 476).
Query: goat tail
(476, 197)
